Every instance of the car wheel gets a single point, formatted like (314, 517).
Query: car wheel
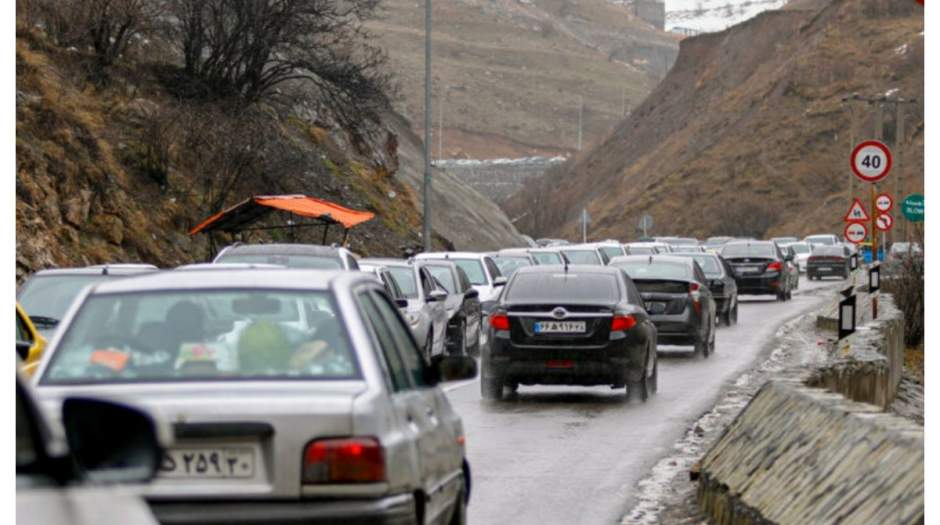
(459, 517)
(710, 349)
(653, 380)
(734, 313)
(781, 296)
(701, 348)
(474, 350)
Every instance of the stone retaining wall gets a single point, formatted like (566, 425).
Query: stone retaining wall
(806, 450)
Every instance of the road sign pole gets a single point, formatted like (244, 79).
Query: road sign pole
(874, 226)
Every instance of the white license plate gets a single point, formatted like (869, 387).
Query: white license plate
(751, 270)
(560, 327)
(212, 462)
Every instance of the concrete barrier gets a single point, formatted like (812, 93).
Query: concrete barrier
(806, 450)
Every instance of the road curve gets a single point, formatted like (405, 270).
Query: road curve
(573, 455)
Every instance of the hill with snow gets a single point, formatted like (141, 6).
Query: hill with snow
(708, 16)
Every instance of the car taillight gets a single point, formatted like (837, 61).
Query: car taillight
(622, 323)
(344, 460)
(499, 321)
(775, 266)
(696, 297)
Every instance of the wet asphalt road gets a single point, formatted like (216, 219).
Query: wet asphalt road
(573, 455)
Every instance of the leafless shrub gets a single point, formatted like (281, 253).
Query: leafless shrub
(256, 50)
(149, 144)
(106, 26)
(904, 279)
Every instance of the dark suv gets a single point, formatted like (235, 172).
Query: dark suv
(760, 268)
(570, 325)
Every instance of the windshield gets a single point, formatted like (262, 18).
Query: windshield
(50, 296)
(643, 269)
(583, 257)
(203, 335)
(800, 247)
(442, 275)
(547, 257)
(291, 261)
(474, 270)
(710, 265)
(749, 250)
(405, 279)
(561, 287)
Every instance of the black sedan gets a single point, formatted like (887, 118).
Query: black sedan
(721, 283)
(571, 325)
(464, 311)
(827, 261)
(760, 268)
(677, 298)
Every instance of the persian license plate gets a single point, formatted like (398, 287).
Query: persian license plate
(750, 269)
(212, 462)
(560, 327)
(655, 307)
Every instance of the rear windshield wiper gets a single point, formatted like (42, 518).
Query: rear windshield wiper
(43, 320)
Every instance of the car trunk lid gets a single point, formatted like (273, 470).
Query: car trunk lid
(663, 296)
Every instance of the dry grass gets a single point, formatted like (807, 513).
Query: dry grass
(914, 362)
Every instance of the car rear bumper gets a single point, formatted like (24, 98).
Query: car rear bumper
(397, 509)
(826, 270)
(610, 365)
(761, 285)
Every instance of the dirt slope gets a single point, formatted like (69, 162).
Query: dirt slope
(748, 131)
(509, 72)
(81, 197)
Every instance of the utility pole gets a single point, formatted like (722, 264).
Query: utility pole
(580, 118)
(898, 155)
(426, 230)
(440, 127)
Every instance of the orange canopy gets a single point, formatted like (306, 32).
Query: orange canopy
(254, 208)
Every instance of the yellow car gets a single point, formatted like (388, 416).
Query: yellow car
(29, 344)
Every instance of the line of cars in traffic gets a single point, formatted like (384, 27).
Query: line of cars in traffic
(300, 382)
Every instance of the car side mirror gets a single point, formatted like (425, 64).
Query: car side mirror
(22, 349)
(401, 303)
(454, 368)
(500, 281)
(110, 442)
(471, 293)
(436, 296)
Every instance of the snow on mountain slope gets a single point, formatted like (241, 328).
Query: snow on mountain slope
(707, 16)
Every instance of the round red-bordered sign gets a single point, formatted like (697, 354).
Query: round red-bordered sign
(871, 161)
(884, 202)
(855, 232)
(884, 222)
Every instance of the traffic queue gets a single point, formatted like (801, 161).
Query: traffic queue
(302, 383)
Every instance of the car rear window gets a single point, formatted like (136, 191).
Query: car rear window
(800, 247)
(203, 336)
(290, 261)
(710, 265)
(473, 268)
(612, 251)
(821, 239)
(50, 296)
(547, 257)
(644, 269)
(642, 250)
(563, 287)
(508, 264)
(821, 249)
(589, 257)
(749, 250)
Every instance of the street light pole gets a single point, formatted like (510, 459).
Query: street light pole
(580, 118)
(426, 233)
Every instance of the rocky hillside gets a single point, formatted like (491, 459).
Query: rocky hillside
(748, 131)
(509, 73)
(115, 171)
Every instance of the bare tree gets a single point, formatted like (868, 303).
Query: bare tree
(257, 49)
(106, 26)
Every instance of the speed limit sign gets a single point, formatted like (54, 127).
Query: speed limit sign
(855, 232)
(871, 161)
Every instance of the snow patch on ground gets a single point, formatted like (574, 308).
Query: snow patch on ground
(667, 490)
(707, 16)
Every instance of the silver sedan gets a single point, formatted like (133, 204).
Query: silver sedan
(328, 416)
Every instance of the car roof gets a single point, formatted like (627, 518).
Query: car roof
(283, 249)
(750, 243)
(673, 258)
(450, 255)
(384, 261)
(295, 279)
(571, 268)
(228, 266)
(100, 269)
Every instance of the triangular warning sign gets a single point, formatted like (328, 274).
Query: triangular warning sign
(857, 213)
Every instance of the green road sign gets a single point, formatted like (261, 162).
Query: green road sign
(913, 207)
